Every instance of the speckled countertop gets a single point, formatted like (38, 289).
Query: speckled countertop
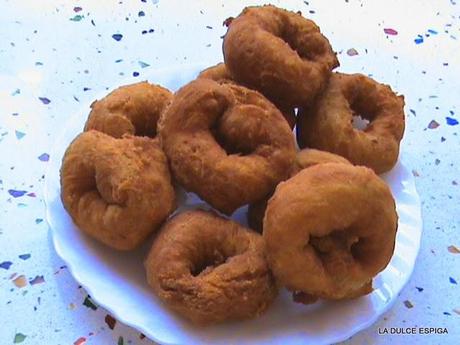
(55, 56)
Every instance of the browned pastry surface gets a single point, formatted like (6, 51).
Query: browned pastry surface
(329, 230)
(116, 190)
(304, 159)
(226, 143)
(210, 269)
(221, 74)
(130, 109)
(279, 53)
(328, 124)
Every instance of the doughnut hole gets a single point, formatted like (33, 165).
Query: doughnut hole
(356, 251)
(145, 125)
(205, 258)
(242, 129)
(359, 122)
(143, 131)
(363, 109)
(207, 262)
(335, 251)
(141, 124)
(286, 36)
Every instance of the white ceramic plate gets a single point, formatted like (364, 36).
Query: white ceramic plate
(116, 281)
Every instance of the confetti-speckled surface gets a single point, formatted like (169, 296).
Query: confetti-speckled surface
(56, 55)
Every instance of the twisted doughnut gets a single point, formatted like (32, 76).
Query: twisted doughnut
(116, 190)
(226, 143)
(221, 74)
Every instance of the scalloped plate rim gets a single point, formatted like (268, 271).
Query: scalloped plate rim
(98, 296)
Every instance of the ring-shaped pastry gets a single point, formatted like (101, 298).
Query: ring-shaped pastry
(280, 53)
(226, 143)
(328, 124)
(330, 229)
(210, 269)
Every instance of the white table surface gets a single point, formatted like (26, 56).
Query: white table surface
(64, 52)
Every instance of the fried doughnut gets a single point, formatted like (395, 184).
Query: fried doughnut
(304, 159)
(210, 269)
(130, 109)
(279, 53)
(226, 143)
(221, 74)
(329, 230)
(328, 124)
(116, 190)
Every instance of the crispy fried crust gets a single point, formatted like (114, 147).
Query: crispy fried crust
(221, 74)
(280, 53)
(209, 269)
(328, 124)
(130, 109)
(305, 298)
(329, 230)
(305, 158)
(226, 143)
(116, 190)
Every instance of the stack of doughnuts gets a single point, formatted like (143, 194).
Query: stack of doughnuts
(322, 223)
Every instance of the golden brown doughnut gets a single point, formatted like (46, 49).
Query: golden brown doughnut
(329, 230)
(130, 109)
(328, 124)
(304, 159)
(221, 74)
(116, 190)
(279, 53)
(226, 143)
(210, 269)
